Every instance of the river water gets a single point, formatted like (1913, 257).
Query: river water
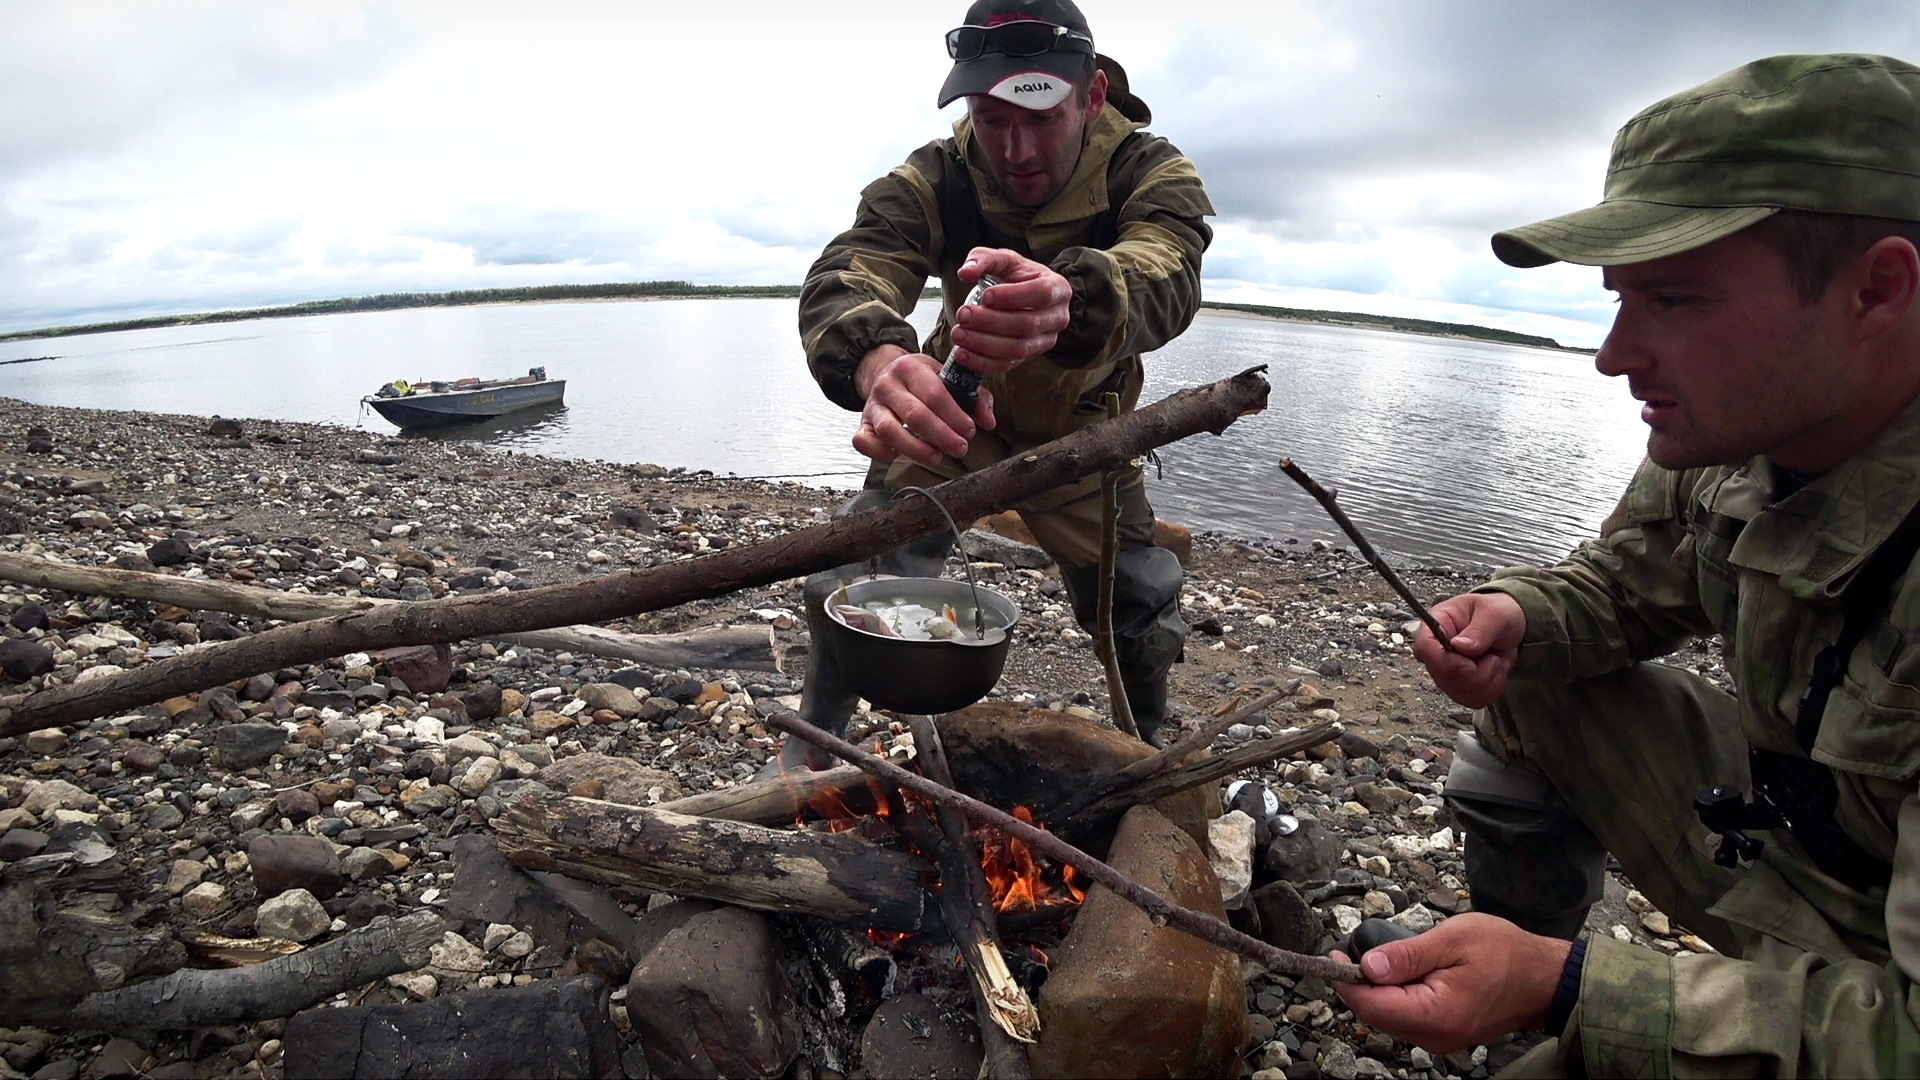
(1442, 450)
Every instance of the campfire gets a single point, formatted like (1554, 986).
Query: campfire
(886, 884)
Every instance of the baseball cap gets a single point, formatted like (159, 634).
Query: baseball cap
(1832, 134)
(1040, 80)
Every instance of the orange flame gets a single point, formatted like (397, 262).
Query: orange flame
(1014, 875)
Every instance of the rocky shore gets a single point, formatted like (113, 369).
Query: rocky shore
(309, 802)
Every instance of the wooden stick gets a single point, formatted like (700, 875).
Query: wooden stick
(628, 592)
(1203, 770)
(1340, 518)
(1172, 755)
(1103, 617)
(1007, 1016)
(1200, 925)
(735, 648)
(779, 801)
(190, 999)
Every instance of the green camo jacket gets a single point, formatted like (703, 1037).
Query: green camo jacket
(1826, 987)
(1127, 233)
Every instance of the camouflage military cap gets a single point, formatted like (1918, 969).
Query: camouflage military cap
(1837, 134)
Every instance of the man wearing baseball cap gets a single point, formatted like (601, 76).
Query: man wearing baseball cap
(1094, 229)
(1760, 234)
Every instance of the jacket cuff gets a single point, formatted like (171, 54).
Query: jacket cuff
(1624, 1021)
(1544, 652)
(1095, 312)
(834, 365)
(1567, 994)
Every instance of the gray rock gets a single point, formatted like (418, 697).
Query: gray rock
(610, 696)
(554, 1028)
(22, 659)
(1338, 1060)
(294, 915)
(296, 805)
(712, 1000)
(1287, 921)
(1309, 853)
(993, 547)
(47, 796)
(283, 862)
(477, 775)
(433, 800)
(120, 1057)
(488, 889)
(17, 844)
(248, 746)
(909, 1036)
(466, 748)
(44, 742)
(625, 781)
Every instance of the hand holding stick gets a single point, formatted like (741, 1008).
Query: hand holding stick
(1340, 518)
(1200, 925)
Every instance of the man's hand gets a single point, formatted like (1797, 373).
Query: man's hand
(1467, 981)
(1485, 630)
(1016, 320)
(909, 411)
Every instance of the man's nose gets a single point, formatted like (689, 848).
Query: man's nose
(1621, 352)
(1022, 145)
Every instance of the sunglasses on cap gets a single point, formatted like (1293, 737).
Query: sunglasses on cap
(1024, 38)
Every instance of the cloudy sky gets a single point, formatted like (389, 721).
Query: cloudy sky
(162, 156)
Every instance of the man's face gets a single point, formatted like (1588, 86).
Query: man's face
(1727, 360)
(1032, 152)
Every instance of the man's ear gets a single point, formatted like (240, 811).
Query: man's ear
(1096, 96)
(1886, 287)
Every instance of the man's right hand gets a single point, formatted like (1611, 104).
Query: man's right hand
(909, 411)
(1485, 630)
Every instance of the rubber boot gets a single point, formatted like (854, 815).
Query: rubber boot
(1148, 699)
(1529, 859)
(1148, 633)
(825, 700)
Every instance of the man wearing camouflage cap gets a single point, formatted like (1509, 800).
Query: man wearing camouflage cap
(1760, 233)
(1095, 229)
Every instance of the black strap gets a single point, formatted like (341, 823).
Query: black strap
(1803, 792)
(1866, 598)
(960, 217)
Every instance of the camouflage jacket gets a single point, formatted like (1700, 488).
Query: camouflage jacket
(1826, 986)
(1126, 232)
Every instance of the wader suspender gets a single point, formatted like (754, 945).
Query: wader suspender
(1793, 791)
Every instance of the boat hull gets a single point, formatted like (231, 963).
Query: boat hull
(460, 406)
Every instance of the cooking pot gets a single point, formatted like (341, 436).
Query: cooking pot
(933, 676)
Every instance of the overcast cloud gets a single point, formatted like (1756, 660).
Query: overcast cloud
(159, 157)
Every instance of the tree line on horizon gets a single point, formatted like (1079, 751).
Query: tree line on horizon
(688, 290)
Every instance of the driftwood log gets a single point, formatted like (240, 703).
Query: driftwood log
(1090, 450)
(190, 999)
(836, 876)
(1200, 925)
(1006, 1014)
(737, 648)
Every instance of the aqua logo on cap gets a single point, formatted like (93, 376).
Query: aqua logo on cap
(1032, 89)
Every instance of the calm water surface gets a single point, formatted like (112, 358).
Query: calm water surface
(1441, 450)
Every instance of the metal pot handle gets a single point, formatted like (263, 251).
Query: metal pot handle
(966, 561)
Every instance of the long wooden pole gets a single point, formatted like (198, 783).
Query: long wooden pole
(1200, 925)
(1090, 450)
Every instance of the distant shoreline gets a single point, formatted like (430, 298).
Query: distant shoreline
(682, 290)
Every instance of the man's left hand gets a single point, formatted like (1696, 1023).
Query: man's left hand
(1467, 981)
(1016, 320)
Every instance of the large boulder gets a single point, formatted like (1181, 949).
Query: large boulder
(1018, 755)
(712, 1000)
(1127, 998)
(281, 862)
(553, 1028)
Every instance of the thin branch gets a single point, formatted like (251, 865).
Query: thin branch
(1373, 558)
(1172, 755)
(1200, 925)
(1103, 619)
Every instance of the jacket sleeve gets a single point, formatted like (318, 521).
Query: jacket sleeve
(859, 292)
(1143, 291)
(1643, 1013)
(1629, 595)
